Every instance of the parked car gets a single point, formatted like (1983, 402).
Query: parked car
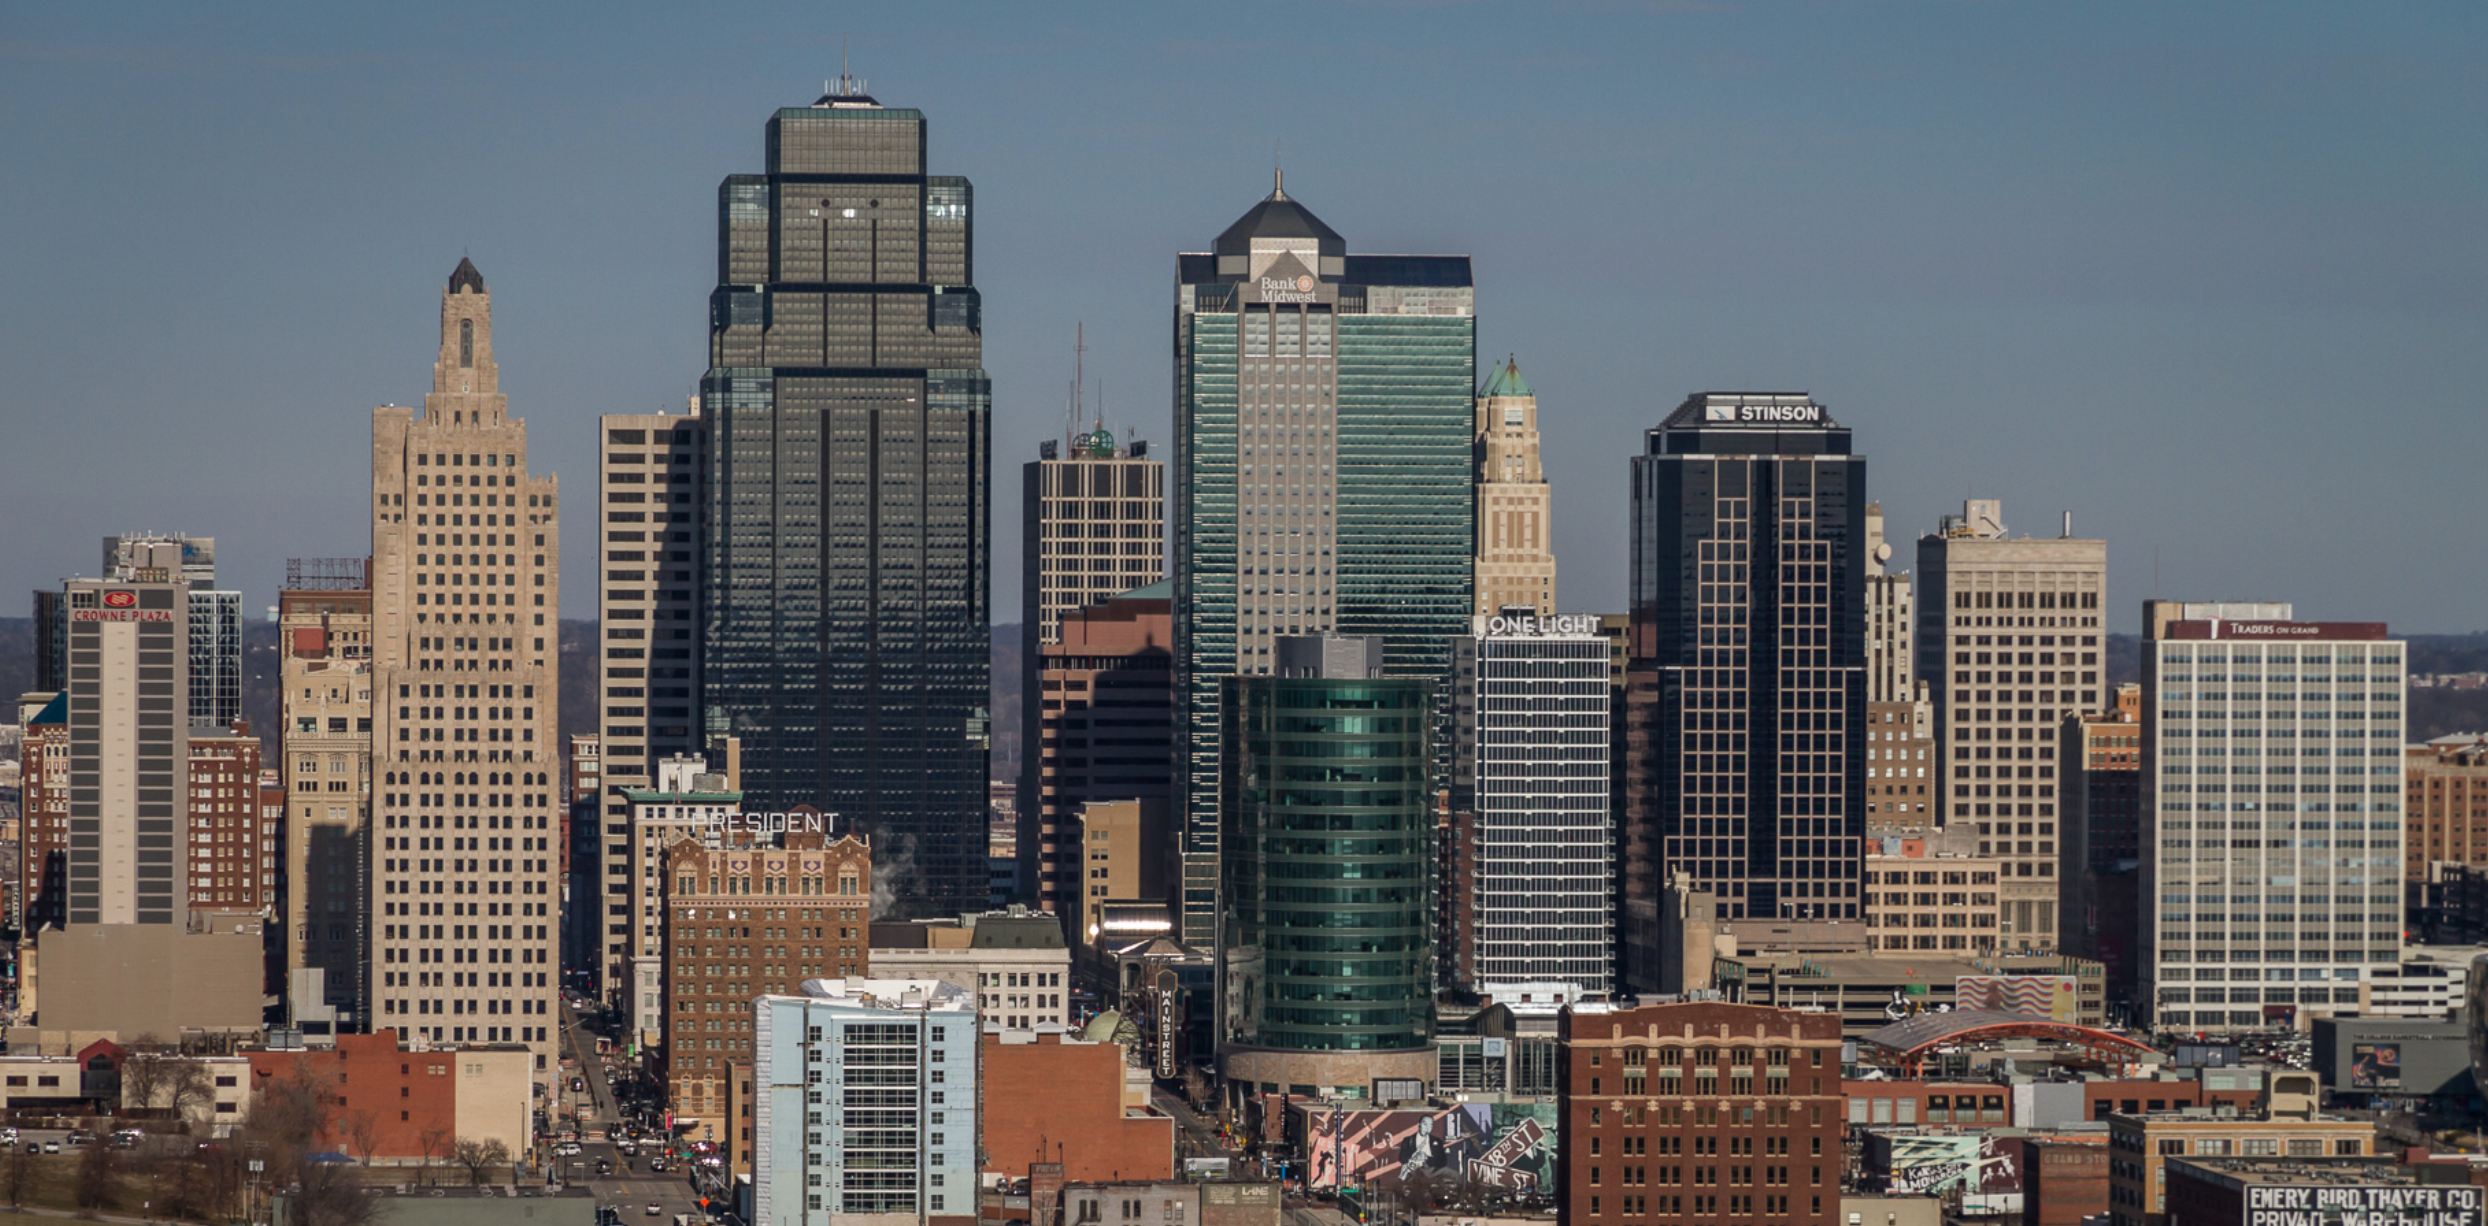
(51, 1147)
(8, 1136)
(567, 1149)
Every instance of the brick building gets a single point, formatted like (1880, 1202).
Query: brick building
(2445, 807)
(2063, 1181)
(746, 922)
(41, 899)
(1699, 1112)
(1052, 1097)
(233, 852)
(395, 1105)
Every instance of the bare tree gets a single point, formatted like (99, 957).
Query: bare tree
(187, 1086)
(290, 1118)
(362, 1129)
(434, 1143)
(98, 1169)
(479, 1157)
(143, 1067)
(331, 1195)
(17, 1175)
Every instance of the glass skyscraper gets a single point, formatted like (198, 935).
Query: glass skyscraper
(845, 528)
(1323, 473)
(1327, 946)
(1745, 708)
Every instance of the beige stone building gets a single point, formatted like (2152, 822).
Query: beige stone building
(2285, 1126)
(1923, 899)
(2010, 634)
(1125, 848)
(1015, 962)
(466, 804)
(324, 749)
(1515, 509)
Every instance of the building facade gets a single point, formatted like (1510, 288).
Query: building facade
(466, 808)
(683, 801)
(233, 853)
(2100, 877)
(2446, 810)
(731, 911)
(1699, 1112)
(1014, 961)
(846, 549)
(1902, 769)
(902, 1140)
(1324, 474)
(2009, 641)
(324, 660)
(2271, 796)
(128, 718)
(1327, 960)
(1092, 527)
(1104, 730)
(1531, 710)
(1745, 755)
(1922, 900)
(1515, 508)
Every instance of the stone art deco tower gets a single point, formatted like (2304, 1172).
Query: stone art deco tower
(1515, 510)
(465, 595)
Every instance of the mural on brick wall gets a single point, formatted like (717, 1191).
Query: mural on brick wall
(1505, 1145)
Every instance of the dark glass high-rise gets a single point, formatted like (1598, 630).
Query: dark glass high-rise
(1746, 687)
(845, 632)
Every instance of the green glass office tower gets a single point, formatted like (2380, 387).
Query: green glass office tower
(1323, 412)
(1325, 946)
(845, 529)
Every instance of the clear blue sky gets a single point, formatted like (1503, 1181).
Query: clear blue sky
(2213, 277)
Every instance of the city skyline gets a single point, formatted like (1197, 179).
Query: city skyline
(2038, 286)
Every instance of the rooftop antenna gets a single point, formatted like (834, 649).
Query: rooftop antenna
(1278, 168)
(1079, 382)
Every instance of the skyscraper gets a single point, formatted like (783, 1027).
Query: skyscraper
(1327, 956)
(2272, 800)
(215, 637)
(1515, 511)
(466, 798)
(1092, 527)
(649, 494)
(1324, 477)
(1531, 708)
(1745, 760)
(2009, 644)
(129, 812)
(848, 455)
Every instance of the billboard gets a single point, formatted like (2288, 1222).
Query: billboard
(2435, 1205)
(2375, 1066)
(2055, 997)
(1985, 1170)
(1503, 1145)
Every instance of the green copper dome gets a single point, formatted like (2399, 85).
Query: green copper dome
(1506, 381)
(1101, 443)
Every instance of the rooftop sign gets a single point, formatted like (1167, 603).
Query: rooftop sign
(2276, 631)
(1560, 623)
(1805, 413)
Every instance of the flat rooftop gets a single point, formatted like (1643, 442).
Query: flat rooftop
(2367, 1172)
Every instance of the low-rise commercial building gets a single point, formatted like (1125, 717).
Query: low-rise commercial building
(1922, 899)
(2363, 1058)
(2237, 1191)
(2287, 1126)
(1013, 961)
(1868, 991)
(1053, 1096)
(398, 1104)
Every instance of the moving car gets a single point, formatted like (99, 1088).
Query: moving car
(655, 1209)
